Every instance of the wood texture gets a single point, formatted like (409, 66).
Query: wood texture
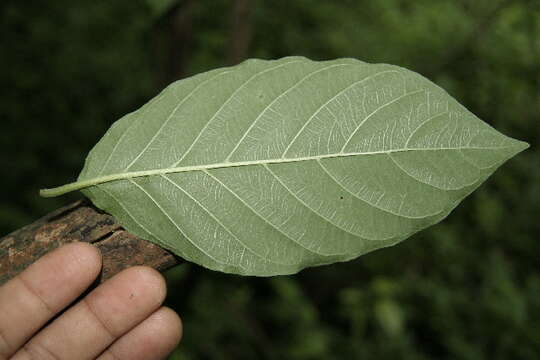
(80, 221)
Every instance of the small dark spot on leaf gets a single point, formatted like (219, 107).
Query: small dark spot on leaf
(341, 197)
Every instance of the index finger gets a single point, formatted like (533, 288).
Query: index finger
(32, 298)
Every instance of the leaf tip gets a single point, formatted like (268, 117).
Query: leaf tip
(524, 145)
(520, 146)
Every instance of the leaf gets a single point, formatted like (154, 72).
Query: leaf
(268, 167)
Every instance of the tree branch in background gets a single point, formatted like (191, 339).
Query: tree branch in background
(241, 31)
(80, 221)
(174, 38)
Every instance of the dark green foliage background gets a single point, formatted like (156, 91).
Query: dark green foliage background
(468, 288)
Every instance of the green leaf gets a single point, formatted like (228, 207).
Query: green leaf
(268, 167)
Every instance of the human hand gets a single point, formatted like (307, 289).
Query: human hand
(121, 319)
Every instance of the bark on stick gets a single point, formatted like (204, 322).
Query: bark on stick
(80, 221)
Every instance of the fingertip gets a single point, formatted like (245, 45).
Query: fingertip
(85, 253)
(150, 280)
(69, 269)
(172, 325)
(167, 330)
(79, 258)
(154, 338)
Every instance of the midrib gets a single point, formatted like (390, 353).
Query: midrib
(78, 185)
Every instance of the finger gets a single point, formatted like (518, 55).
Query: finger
(154, 338)
(32, 298)
(108, 312)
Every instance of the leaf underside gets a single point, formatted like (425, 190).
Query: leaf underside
(268, 167)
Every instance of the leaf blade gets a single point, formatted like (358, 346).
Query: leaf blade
(271, 166)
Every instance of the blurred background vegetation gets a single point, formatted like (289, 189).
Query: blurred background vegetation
(468, 288)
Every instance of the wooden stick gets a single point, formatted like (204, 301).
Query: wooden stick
(80, 221)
